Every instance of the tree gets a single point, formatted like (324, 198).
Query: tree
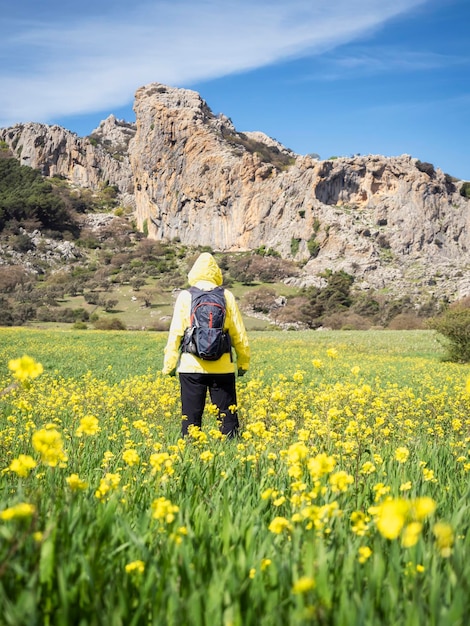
(454, 325)
(334, 297)
(26, 196)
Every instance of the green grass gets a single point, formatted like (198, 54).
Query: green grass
(132, 526)
(73, 352)
(131, 310)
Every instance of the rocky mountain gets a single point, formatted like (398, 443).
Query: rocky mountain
(395, 223)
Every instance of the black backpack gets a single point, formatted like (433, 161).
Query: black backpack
(205, 336)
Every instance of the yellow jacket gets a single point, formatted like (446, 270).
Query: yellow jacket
(205, 274)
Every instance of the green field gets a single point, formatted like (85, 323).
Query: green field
(345, 500)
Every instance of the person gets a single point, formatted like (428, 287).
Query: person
(197, 376)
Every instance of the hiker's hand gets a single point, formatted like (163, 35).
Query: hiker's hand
(241, 371)
(171, 372)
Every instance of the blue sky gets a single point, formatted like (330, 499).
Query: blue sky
(332, 77)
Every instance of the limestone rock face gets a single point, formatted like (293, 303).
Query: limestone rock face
(387, 221)
(85, 162)
(393, 222)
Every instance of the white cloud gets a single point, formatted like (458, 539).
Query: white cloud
(89, 63)
(363, 62)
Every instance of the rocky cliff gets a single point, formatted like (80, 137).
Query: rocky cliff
(88, 162)
(394, 223)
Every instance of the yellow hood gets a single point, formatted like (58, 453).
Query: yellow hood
(205, 268)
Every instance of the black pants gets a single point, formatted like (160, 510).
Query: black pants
(222, 393)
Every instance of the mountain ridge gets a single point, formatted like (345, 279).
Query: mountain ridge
(394, 223)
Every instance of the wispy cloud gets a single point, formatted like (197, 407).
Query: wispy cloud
(84, 63)
(362, 62)
(418, 106)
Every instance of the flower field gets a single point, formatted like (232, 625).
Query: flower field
(345, 500)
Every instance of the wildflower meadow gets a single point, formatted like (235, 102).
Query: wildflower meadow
(344, 501)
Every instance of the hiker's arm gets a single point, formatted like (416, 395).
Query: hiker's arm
(179, 323)
(237, 331)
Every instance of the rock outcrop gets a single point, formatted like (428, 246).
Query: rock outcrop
(88, 162)
(395, 223)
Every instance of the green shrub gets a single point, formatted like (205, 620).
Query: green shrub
(334, 297)
(80, 326)
(426, 168)
(313, 247)
(160, 326)
(263, 251)
(261, 300)
(294, 245)
(25, 196)
(406, 321)
(454, 325)
(111, 324)
(465, 190)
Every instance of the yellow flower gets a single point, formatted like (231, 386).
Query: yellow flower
(402, 454)
(130, 457)
(76, 483)
(359, 524)
(206, 456)
(19, 511)
(252, 573)
(296, 452)
(212, 409)
(303, 584)
(428, 475)
(22, 465)
(411, 534)
(48, 442)
(364, 553)
(141, 425)
(332, 353)
(159, 460)
(268, 493)
(444, 538)
(279, 524)
(355, 370)
(89, 425)
(25, 368)
(317, 363)
(177, 536)
(320, 465)
(340, 481)
(405, 486)
(391, 518)
(367, 468)
(107, 484)
(196, 433)
(380, 490)
(265, 563)
(135, 566)
(467, 386)
(164, 510)
(423, 507)
(107, 457)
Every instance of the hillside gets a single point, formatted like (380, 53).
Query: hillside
(396, 225)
